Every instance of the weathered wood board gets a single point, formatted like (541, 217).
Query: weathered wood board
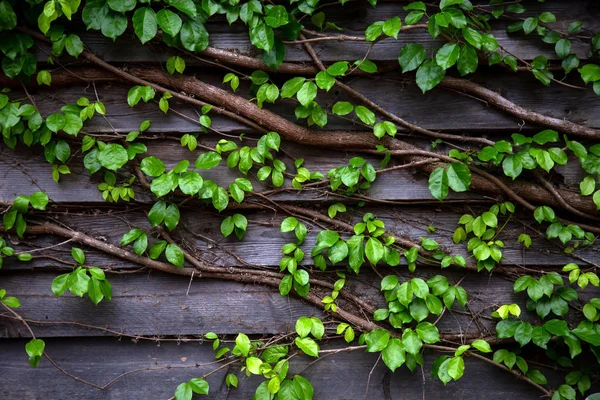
(342, 376)
(155, 305)
(354, 19)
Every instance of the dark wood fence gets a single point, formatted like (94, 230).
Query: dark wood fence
(152, 305)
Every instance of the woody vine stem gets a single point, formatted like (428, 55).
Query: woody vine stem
(511, 175)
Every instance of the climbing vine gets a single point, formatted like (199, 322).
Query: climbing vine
(326, 250)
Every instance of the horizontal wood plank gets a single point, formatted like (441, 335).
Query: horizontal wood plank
(342, 376)
(394, 92)
(263, 233)
(354, 20)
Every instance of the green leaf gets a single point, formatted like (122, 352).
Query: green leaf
(438, 184)
(389, 282)
(377, 340)
(169, 21)
(152, 166)
(39, 200)
(562, 48)
(393, 355)
(365, 115)
(428, 332)
(411, 341)
(199, 386)
(35, 351)
(391, 27)
(60, 284)
(374, 250)
(338, 69)
(208, 160)
(448, 3)
(194, 36)
(456, 367)
(113, 156)
(523, 333)
(590, 73)
(459, 177)
(308, 346)
(482, 346)
(468, 60)
(291, 87)
(122, 5)
(307, 93)
(174, 255)
(185, 6)
(545, 136)
(145, 24)
(73, 45)
(429, 75)
(113, 24)
(183, 392)
(78, 255)
(529, 25)
(411, 57)
(157, 249)
(447, 55)
(261, 35)
(276, 16)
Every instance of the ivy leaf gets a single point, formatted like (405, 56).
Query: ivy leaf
(35, 351)
(307, 93)
(590, 73)
(291, 87)
(174, 255)
(194, 36)
(199, 386)
(456, 367)
(39, 200)
(365, 115)
(220, 199)
(438, 184)
(113, 156)
(73, 45)
(394, 354)
(428, 332)
(429, 75)
(377, 340)
(447, 55)
(186, 6)
(152, 166)
(276, 16)
(113, 24)
(338, 69)
(459, 177)
(374, 250)
(145, 24)
(169, 22)
(183, 392)
(122, 5)
(208, 160)
(308, 346)
(411, 57)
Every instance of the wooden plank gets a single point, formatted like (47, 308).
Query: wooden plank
(154, 305)
(263, 233)
(354, 19)
(395, 92)
(26, 171)
(343, 376)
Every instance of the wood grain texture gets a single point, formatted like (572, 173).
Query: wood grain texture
(343, 376)
(393, 91)
(263, 233)
(354, 20)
